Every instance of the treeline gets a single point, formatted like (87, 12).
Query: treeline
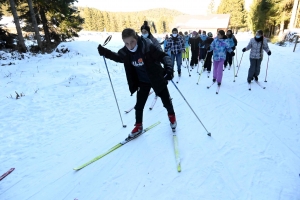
(271, 16)
(96, 20)
(58, 20)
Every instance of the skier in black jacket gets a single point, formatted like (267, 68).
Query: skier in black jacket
(143, 70)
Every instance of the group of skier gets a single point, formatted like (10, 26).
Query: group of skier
(142, 57)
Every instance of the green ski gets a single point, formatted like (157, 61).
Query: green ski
(115, 147)
(176, 151)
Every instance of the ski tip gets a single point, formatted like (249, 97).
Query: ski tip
(209, 134)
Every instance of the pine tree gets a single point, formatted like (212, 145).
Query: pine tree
(237, 12)
(18, 27)
(211, 7)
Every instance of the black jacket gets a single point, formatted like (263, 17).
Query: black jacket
(195, 42)
(152, 59)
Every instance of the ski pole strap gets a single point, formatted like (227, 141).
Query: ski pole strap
(107, 40)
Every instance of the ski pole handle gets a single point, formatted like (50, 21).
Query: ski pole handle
(107, 40)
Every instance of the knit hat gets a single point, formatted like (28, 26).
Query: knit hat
(146, 27)
(175, 29)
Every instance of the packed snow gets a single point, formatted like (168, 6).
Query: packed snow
(66, 114)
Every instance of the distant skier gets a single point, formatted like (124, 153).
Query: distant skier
(146, 33)
(186, 54)
(232, 43)
(207, 43)
(256, 44)
(203, 50)
(194, 41)
(220, 46)
(176, 44)
(143, 70)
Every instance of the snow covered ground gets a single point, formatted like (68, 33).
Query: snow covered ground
(68, 116)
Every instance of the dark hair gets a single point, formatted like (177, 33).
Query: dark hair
(180, 33)
(129, 32)
(221, 32)
(146, 27)
(230, 31)
(175, 29)
(260, 32)
(204, 32)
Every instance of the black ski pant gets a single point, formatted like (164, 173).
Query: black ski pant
(208, 63)
(194, 59)
(202, 53)
(142, 96)
(254, 69)
(228, 59)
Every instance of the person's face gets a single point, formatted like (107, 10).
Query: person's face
(174, 32)
(220, 36)
(257, 34)
(130, 42)
(144, 31)
(228, 33)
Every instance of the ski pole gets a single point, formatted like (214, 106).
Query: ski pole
(105, 42)
(208, 133)
(187, 64)
(236, 56)
(202, 69)
(267, 69)
(233, 71)
(239, 65)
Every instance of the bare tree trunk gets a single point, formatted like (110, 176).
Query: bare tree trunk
(45, 25)
(36, 29)
(294, 14)
(18, 27)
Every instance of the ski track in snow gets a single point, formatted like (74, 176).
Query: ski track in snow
(68, 116)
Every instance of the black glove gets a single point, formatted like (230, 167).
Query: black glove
(269, 53)
(233, 48)
(169, 73)
(232, 54)
(101, 50)
(244, 49)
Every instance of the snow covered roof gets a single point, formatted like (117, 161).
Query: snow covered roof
(202, 21)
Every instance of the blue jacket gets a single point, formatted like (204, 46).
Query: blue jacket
(232, 41)
(203, 38)
(220, 47)
(186, 41)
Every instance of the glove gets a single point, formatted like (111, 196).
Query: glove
(232, 54)
(169, 73)
(101, 50)
(244, 49)
(269, 53)
(233, 48)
